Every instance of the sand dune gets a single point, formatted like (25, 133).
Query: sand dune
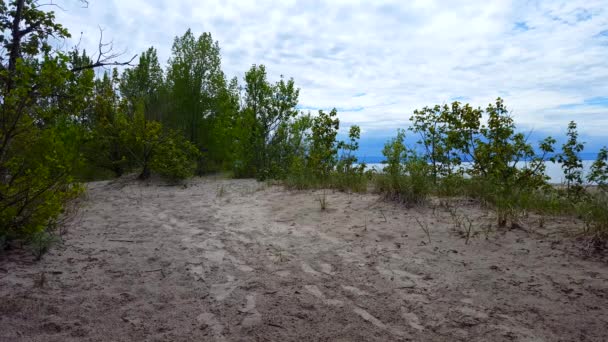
(237, 260)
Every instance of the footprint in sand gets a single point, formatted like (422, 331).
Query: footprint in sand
(326, 268)
(238, 264)
(197, 272)
(314, 290)
(253, 317)
(403, 278)
(222, 291)
(208, 320)
(354, 290)
(376, 322)
(306, 268)
(467, 316)
(411, 319)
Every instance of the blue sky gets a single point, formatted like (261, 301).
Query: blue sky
(377, 61)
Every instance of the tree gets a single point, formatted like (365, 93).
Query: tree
(598, 172)
(46, 98)
(268, 109)
(153, 148)
(323, 149)
(430, 124)
(193, 81)
(144, 82)
(37, 141)
(572, 165)
(348, 148)
(395, 152)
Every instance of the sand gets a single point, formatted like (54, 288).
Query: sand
(237, 260)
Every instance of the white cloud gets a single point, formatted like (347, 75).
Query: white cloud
(538, 55)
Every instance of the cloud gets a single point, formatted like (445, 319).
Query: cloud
(380, 60)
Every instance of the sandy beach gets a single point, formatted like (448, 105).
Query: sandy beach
(239, 260)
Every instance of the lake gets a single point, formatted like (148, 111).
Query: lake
(553, 170)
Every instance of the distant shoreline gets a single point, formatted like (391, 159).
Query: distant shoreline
(553, 170)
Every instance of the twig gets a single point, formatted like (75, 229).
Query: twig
(120, 240)
(424, 228)
(382, 212)
(469, 229)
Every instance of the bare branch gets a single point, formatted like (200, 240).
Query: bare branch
(105, 56)
(49, 4)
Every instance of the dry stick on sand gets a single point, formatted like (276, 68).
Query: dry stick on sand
(468, 229)
(322, 200)
(382, 212)
(425, 228)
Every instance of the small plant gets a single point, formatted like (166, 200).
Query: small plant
(425, 228)
(221, 191)
(468, 229)
(455, 217)
(487, 230)
(40, 242)
(322, 200)
(594, 212)
(279, 254)
(463, 225)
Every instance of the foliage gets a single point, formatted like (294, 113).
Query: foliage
(598, 173)
(407, 176)
(571, 163)
(269, 111)
(594, 211)
(38, 140)
(105, 146)
(323, 147)
(165, 152)
(175, 157)
(433, 127)
(144, 83)
(201, 103)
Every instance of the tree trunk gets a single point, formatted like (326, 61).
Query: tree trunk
(145, 173)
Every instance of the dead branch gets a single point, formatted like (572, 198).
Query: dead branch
(105, 56)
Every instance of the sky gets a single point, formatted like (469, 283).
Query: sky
(377, 61)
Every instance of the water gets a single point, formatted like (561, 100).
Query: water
(553, 170)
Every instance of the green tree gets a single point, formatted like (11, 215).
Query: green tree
(395, 152)
(323, 149)
(154, 149)
(105, 147)
(430, 125)
(598, 173)
(268, 109)
(193, 76)
(37, 141)
(572, 165)
(144, 82)
(348, 148)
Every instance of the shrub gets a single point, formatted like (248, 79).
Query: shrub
(406, 176)
(572, 165)
(598, 174)
(594, 211)
(175, 158)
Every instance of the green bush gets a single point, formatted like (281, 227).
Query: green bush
(594, 211)
(175, 158)
(411, 188)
